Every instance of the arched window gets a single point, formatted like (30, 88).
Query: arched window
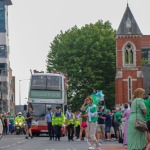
(126, 57)
(129, 88)
(128, 54)
(131, 57)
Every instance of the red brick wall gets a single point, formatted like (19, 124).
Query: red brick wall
(122, 83)
(120, 42)
(119, 94)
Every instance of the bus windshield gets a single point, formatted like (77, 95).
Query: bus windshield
(46, 83)
(39, 111)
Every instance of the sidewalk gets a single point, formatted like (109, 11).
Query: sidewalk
(113, 146)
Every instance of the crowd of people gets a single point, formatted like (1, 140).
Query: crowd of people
(94, 124)
(10, 122)
(91, 123)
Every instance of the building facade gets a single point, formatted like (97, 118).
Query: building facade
(130, 61)
(5, 69)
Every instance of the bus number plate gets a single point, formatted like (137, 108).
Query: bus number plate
(44, 130)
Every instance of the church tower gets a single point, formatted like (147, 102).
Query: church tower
(129, 74)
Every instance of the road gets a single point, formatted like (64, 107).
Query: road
(18, 142)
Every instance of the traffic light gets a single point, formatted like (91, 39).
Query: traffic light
(65, 108)
(25, 107)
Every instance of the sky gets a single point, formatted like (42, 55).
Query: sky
(33, 24)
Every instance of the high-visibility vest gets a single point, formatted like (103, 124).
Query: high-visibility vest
(70, 120)
(20, 119)
(78, 120)
(58, 120)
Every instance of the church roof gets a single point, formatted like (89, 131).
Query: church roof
(128, 25)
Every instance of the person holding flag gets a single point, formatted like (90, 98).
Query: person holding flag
(91, 109)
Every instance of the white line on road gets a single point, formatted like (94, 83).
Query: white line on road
(19, 142)
(5, 146)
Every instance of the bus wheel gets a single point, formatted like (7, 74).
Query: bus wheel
(33, 134)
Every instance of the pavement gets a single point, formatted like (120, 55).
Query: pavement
(18, 142)
(113, 145)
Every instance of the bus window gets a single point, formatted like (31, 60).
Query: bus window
(54, 83)
(38, 82)
(39, 111)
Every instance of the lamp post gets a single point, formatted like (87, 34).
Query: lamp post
(20, 89)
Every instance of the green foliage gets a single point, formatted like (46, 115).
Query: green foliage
(144, 61)
(87, 56)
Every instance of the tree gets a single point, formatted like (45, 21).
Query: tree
(87, 56)
(144, 61)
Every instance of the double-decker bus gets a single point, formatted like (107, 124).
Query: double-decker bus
(45, 90)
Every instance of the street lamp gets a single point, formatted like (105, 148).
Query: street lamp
(20, 89)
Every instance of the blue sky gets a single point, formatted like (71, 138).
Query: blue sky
(33, 24)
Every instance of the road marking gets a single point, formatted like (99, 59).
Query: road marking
(5, 146)
(19, 142)
(14, 144)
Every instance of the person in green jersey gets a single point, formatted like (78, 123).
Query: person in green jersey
(10, 117)
(117, 121)
(91, 110)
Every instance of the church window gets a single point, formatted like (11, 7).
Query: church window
(129, 54)
(126, 57)
(130, 88)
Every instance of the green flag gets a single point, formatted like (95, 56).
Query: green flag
(95, 98)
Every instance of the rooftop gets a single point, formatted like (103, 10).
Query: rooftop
(128, 25)
(8, 2)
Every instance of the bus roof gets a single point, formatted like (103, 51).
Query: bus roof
(47, 74)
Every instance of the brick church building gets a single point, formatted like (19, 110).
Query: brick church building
(132, 47)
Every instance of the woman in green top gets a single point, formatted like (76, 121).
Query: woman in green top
(136, 139)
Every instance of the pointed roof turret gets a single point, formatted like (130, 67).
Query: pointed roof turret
(128, 25)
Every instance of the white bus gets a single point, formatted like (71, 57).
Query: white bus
(46, 90)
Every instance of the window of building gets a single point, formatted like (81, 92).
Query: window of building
(126, 57)
(1, 5)
(6, 19)
(2, 21)
(145, 56)
(129, 54)
(4, 87)
(3, 70)
(3, 52)
(129, 88)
